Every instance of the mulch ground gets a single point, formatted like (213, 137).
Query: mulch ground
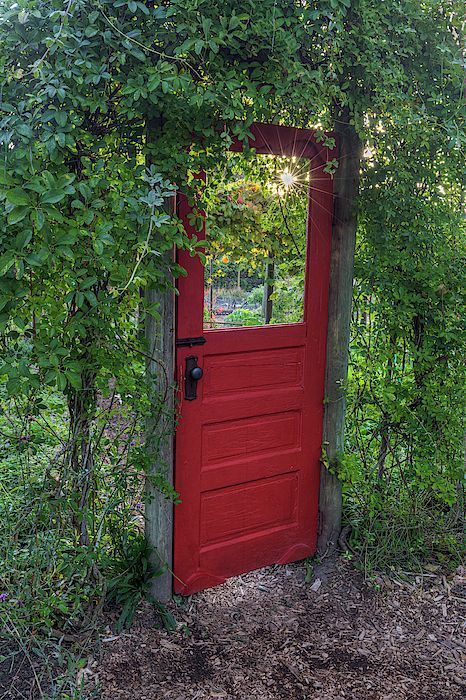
(272, 635)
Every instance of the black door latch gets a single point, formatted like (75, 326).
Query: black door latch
(192, 375)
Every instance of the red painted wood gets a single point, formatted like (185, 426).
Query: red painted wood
(248, 449)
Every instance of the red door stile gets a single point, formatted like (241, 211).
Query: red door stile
(248, 447)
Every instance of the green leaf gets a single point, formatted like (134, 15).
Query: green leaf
(153, 82)
(40, 219)
(85, 190)
(88, 282)
(6, 261)
(61, 381)
(17, 196)
(23, 238)
(5, 178)
(67, 238)
(61, 118)
(24, 130)
(13, 386)
(91, 31)
(91, 297)
(98, 247)
(234, 22)
(65, 251)
(74, 379)
(48, 178)
(37, 259)
(18, 215)
(53, 196)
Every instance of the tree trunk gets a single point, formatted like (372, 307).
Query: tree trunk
(346, 187)
(267, 303)
(82, 409)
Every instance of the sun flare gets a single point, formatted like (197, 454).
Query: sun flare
(288, 178)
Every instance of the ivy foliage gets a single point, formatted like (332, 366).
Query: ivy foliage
(404, 469)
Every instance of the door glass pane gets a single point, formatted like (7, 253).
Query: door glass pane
(256, 209)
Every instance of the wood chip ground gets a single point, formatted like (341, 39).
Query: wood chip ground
(271, 635)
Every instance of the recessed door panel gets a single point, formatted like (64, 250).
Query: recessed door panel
(248, 371)
(252, 508)
(248, 445)
(250, 437)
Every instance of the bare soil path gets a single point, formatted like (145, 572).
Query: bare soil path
(270, 635)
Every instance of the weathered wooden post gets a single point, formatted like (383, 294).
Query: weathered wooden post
(160, 429)
(158, 508)
(160, 340)
(346, 187)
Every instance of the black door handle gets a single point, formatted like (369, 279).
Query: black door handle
(192, 375)
(196, 373)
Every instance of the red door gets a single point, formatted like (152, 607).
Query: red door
(248, 446)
